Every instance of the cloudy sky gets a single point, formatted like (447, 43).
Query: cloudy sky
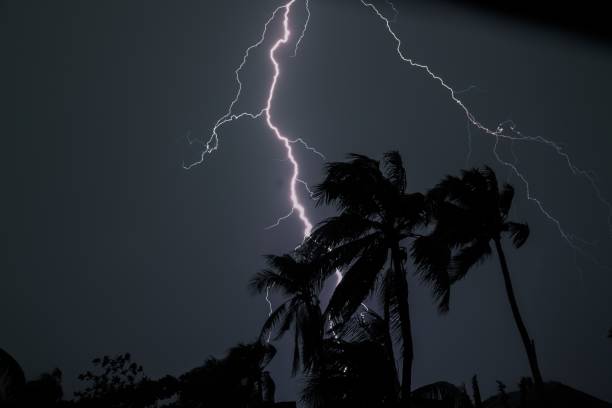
(109, 245)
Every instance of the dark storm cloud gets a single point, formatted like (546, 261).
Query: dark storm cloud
(110, 246)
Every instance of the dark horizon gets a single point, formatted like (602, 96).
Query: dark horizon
(111, 246)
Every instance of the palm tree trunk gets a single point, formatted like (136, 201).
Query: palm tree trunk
(405, 325)
(527, 341)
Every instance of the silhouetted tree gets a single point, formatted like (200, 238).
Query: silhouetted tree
(376, 215)
(12, 379)
(118, 382)
(446, 394)
(476, 392)
(526, 391)
(236, 381)
(110, 377)
(296, 279)
(368, 326)
(354, 371)
(44, 392)
(470, 212)
(503, 396)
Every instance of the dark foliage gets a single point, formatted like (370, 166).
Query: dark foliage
(12, 379)
(347, 353)
(356, 369)
(236, 381)
(45, 391)
(364, 240)
(295, 277)
(476, 392)
(118, 382)
(444, 394)
(469, 213)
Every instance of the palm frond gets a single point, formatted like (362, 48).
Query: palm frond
(269, 279)
(357, 283)
(394, 170)
(456, 191)
(491, 180)
(344, 255)
(288, 319)
(506, 195)
(346, 227)
(467, 257)
(518, 232)
(351, 185)
(283, 264)
(361, 327)
(412, 211)
(432, 258)
(273, 320)
(310, 320)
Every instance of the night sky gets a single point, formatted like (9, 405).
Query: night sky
(109, 245)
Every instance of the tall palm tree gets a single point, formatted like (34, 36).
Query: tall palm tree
(365, 240)
(295, 278)
(471, 212)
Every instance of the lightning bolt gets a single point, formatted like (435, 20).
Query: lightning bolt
(266, 112)
(266, 109)
(304, 29)
(295, 200)
(499, 133)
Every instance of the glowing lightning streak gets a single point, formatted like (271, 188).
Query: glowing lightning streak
(296, 204)
(304, 29)
(295, 201)
(498, 133)
(213, 142)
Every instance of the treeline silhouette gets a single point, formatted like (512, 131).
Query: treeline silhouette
(347, 351)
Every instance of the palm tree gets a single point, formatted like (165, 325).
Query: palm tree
(295, 278)
(355, 368)
(471, 212)
(376, 215)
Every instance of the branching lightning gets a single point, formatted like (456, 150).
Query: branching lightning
(504, 131)
(295, 200)
(266, 111)
(304, 29)
(499, 133)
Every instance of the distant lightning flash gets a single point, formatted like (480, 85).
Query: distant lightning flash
(498, 134)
